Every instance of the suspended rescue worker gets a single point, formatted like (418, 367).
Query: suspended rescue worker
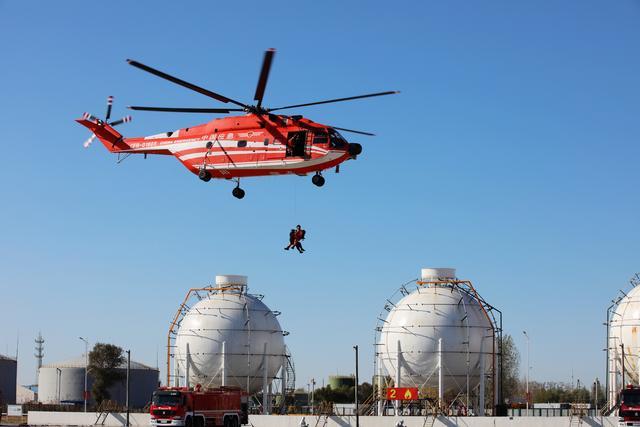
(292, 240)
(299, 234)
(295, 237)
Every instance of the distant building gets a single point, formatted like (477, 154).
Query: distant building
(300, 397)
(63, 382)
(342, 381)
(8, 375)
(25, 395)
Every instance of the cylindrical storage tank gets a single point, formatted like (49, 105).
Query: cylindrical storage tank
(229, 338)
(624, 330)
(63, 382)
(8, 374)
(437, 320)
(342, 381)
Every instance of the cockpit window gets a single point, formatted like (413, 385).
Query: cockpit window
(320, 138)
(337, 141)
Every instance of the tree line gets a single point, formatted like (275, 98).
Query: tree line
(514, 385)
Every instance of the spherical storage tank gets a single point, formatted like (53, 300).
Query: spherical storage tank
(437, 320)
(229, 338)
(624, 335)
(63, 382)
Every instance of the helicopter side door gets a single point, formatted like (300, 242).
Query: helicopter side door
(297, 146)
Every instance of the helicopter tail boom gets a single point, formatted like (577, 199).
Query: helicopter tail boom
(110, 138)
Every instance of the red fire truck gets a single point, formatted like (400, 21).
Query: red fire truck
(629, 409)
(181, 406)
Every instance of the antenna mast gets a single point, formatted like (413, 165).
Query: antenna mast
(39, 353)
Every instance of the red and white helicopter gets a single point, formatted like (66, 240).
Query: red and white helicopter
(259, 143)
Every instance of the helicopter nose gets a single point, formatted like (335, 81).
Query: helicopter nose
(355, 149)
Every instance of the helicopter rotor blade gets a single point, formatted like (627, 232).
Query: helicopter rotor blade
(264, 76)
(354, 131)
(109, 106)
(186, 84)
(184, 110)
(125, 119)
(337, 100)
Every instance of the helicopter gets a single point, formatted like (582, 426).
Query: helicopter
(258, 143)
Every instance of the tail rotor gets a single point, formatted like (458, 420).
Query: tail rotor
(87, 116)
(88, 142)
(109, 105)
(125, 119)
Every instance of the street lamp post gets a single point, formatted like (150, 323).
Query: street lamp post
(127, 390)
(59, 381)
(355, 347)
(595, 386)
(86, 366)
(527, 377)
(313, 391)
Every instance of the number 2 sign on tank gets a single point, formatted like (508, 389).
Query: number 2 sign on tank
(402, 393)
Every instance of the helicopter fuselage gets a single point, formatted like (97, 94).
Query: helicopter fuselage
(249, 145)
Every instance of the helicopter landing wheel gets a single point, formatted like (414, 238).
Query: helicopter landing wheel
(238, 193)
(204, 175)
(318, 180)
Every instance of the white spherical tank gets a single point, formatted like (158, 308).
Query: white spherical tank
(230, 338)
(624, 330)
(437, 313)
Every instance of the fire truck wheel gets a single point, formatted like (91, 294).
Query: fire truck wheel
(188, 422)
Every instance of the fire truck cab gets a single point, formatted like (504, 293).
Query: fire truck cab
(629, 406)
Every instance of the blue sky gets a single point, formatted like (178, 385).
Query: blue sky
(511, 154)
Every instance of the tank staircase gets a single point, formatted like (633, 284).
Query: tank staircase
(103, 411)
(368, 407)
(577, 412)
(325, 411)
(371, 410)
(432, 413)
(610, 408)
(102, 417)
(290, 369)
(324, 418)
(430, 420)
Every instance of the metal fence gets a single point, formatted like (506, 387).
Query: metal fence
(551, 412)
